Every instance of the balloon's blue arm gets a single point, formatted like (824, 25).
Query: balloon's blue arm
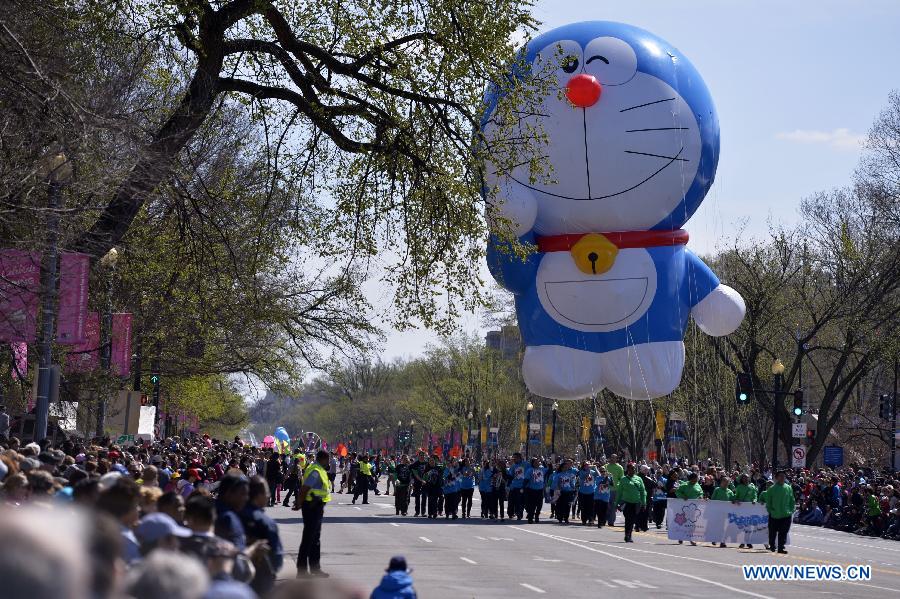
(510, 271)
(716, 308)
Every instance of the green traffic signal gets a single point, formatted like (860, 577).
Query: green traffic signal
(154, 379)
(798, 411)
(742, 397)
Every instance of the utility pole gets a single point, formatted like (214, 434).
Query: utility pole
(778, 371)
(894, 418)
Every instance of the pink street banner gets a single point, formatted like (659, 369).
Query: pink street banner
(20, 360)
(120, 358)
(74, 269)
(85, 356)
(20, 283)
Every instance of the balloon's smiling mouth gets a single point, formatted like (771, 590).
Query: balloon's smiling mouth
(670, 160)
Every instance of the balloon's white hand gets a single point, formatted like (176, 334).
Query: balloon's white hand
(720, 312)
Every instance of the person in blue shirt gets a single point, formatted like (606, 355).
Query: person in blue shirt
(659, 501)
(466, 486)
(564, 485)
(587, 484)
(535, 474)
(516, 505)
(451, 489)
(485, 490)
(603, 485)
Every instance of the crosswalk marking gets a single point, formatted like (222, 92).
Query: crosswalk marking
(469, 561)
(532, 588)
(426, 539)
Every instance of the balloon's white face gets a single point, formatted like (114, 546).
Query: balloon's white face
(621, 164)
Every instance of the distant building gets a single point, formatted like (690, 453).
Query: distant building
(507, 341)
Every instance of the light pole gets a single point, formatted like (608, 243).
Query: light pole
(469, 417)
(108, 261)
(412, 436)
(488, 414)
(56, 171)
(778, 371)
(553, 430)
(529, 407)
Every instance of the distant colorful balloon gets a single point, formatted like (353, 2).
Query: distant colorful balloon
(632, 146)
(282, 440)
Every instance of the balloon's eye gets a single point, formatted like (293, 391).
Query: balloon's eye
(597, 57)
(569, 64)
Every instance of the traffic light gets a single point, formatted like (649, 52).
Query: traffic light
(810, 435)
(798, 402)
(743, 387)
(886, 407)
(154, 379)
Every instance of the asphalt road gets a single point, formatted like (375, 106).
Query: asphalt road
(483, 559)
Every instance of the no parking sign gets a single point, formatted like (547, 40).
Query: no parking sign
(798, 456)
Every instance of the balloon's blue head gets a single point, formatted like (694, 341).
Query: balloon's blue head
(632, 134)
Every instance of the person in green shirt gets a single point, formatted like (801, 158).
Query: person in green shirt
(615, 470)
(690, 490)
(745, 491)
(723, 493)
(780, 504)
(632, 495)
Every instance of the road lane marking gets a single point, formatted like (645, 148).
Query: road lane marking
(394, 524)
(469, 561)
(481, 538)
(356, 507)
(426, 539)
(637, 563)
(532, 588)
(544, 559)
(878, 547)
(633, 584)
(872, 586)
(600, 580)
(387, 505)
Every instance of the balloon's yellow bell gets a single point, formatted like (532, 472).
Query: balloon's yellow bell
(594, 254)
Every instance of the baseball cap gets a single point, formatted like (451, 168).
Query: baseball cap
(157, 525)
(193, 472)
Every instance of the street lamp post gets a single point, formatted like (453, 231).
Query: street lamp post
(57, 171)
(488, 414)
(412, 437)
(553, 430)
(108, 261)
(528, 409)
(469, 417)
(778, 371)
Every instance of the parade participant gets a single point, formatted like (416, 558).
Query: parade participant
(516, 488)
(631, 495)
(690, 490)
(292, 483)
(485, 490)
(418, 483)
(466, 487)
(780, 505)
(315, 492)
(433, 484)
(450, 489)
(402, 485)
(565, 481)
(723, 493)
(616, 472)
(498, 490)
(745, 491)
(363, 479)
(660, 500)
(602, 495)
(587, 485)
(534, 490)
(353, 473)
(392, 475)
(650, 485)
(332, 470)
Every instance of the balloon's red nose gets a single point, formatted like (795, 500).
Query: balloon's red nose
(583, 90)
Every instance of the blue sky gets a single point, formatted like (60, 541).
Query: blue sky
(796, 83)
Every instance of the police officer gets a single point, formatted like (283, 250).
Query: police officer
(314, 494)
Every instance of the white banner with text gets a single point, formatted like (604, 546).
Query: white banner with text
(717, 521)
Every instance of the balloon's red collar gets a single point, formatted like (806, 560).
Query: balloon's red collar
(621, 239)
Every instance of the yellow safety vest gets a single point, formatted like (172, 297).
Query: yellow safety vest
(325, 492)
(365, 468)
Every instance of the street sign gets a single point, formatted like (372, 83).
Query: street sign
(833, 455)
(125, 439)
(798, 430)
(798, 457)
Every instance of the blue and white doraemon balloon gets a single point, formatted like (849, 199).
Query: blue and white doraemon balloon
(633, 143)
